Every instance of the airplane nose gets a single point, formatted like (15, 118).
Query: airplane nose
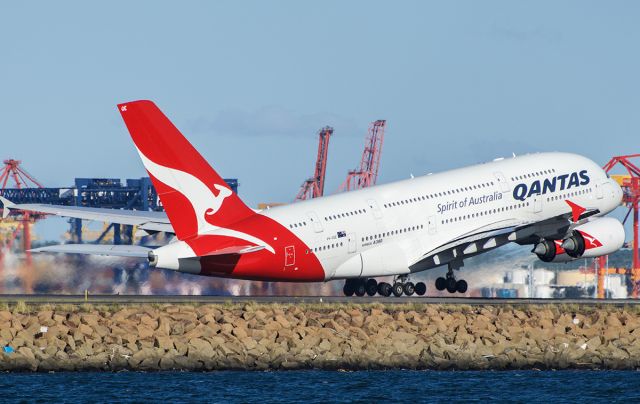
(618, 193)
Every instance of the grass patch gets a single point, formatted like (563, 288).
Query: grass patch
(20, 308)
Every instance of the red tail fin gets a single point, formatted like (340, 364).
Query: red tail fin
(194, 196)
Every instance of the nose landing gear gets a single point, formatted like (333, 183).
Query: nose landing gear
(450, 283)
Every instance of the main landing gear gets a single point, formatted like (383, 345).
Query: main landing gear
(371, 287)
(450, 283)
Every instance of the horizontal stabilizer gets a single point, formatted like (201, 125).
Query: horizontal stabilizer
(145, 220)
(243, 249)
(134, 251)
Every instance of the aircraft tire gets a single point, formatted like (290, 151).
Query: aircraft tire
(441, 283)
(397, 289)
(348, 289)
(371, 286)
(421, 288)
(451, 285)
(461, 286)
(409, 289)
(384, 289)
(360, 289)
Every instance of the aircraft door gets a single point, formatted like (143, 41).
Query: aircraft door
(599, 193)
(537, 203)
(315, 222)
(352, 243)
(373, 206)
(502, 181)
(289, 256)
(433, 229)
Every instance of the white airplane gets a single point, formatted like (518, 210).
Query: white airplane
(554, 202)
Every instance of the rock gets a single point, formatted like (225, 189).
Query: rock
(167, 363)
(239, 332)
(283, 321)
(85, 329)
(200, 348)
(594, 343)
(265, 337)
(144, 332)
(164, 342)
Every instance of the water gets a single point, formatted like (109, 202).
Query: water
(323, 387)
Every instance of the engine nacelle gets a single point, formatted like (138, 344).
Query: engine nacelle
(596, 238)
(177, 256)
(551, 251)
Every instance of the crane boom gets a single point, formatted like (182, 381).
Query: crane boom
(314, 186)
(367, 174)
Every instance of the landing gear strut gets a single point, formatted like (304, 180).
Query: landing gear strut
(450, 283)
(401, 286)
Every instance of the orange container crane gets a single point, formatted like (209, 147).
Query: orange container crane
(314, 186)
(630, 184)
(21, 179)
(367, 174)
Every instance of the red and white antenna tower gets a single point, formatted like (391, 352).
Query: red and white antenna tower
(367, 174)
(314, 186)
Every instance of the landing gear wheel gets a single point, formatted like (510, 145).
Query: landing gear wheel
(421, 288)
(397, 289)
(384, 289)
(461, 286)
(348, 289)
(441, 283)
(409, 289)
(360, 289)
(451, 285)
(371, 287)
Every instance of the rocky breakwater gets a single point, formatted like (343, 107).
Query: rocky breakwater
(328, 336)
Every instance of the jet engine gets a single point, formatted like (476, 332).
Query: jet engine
(598, 237)
(551, 251)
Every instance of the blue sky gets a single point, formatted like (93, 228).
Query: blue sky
(250, 83)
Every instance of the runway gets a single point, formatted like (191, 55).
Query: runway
(182, 299)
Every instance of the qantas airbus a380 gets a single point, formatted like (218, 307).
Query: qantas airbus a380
(554, 202)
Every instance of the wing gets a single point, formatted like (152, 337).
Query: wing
(497, 234)
(151, 221)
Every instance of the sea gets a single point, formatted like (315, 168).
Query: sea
(405, 386)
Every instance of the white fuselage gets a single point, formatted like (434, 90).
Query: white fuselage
(403, 220)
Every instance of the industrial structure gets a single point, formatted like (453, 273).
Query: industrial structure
(134, 194)
(314, 186)
(367, 174)
(20, 224)
(630, 184)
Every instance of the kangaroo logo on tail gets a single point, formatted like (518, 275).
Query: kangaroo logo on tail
(218, 199)
(204, 202)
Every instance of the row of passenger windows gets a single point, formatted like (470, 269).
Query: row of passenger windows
(300, 224)
(531, 175)
(439, 194)
(485, 213)
(345, 214)
(568, 195)
(327, 247)
(392, 233)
